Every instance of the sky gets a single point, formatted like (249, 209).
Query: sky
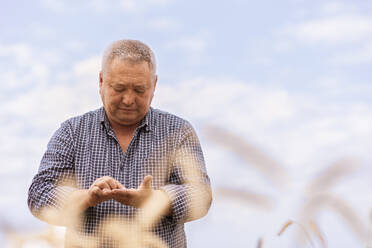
(291, 78)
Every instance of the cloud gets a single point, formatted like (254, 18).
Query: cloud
(334, 29)
(133, 6)
(333, 7)
(204, 97)
(141, 6)
(298, 128)
(359, 55)
(88, 68)
(309, 125)
(302, 130)
(102, 6)
(20, 52)
(21, 68)
(342, 27)
(56, 6)
(163, 23)
(193, 46)
(44, 105)
(30, 116)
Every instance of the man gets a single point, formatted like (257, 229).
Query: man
(124, 161)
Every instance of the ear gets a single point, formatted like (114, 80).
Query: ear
(155, 81)
(100, 80)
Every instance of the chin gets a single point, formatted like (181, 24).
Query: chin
(128, 123)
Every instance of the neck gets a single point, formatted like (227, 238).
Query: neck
(123, 129)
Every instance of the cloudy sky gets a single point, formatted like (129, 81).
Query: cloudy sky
(291, 78)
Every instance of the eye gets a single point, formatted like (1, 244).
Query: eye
(140, 90)
(118, 88)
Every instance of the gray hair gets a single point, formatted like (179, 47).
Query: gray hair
(130, 50)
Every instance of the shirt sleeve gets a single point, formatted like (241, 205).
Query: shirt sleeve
(189, 185)
(55, 179)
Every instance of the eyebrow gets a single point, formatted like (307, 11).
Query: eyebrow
(134, 85)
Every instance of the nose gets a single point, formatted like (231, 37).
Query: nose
(128, 98)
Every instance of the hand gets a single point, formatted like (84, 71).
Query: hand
(82, 199)
(134, 197)
(101, 190)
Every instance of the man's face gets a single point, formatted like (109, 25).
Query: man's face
(126, 90)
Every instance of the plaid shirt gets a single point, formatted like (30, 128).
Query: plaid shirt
(85, 148)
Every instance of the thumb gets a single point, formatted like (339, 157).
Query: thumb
(146, 183)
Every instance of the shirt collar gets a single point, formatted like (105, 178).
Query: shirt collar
(146, 122)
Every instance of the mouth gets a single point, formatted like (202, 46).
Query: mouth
(127, 110)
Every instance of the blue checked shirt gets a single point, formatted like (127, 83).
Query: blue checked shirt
(85, 148)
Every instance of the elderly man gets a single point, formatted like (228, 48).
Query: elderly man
(111, 163)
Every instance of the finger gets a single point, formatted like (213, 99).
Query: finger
(125, 196)
(96, 191)
(103, 185)
(146, 183)
(125, 192)
(112, 183)
(122, 192)
(119, 185)
(106, 191)
(97, 180)
(101, 179)
(104, 194)
(132, 192)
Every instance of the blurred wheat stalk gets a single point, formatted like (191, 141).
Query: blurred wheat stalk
(317, 192)
(267, 166)
(123, 233)
(318, 198)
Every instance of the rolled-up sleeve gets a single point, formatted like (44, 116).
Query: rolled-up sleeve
(189, 185)
(54, 181)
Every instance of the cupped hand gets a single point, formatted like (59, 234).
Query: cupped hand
(101, 190)
(134, 197)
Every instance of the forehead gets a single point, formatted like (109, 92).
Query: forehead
(128, 68)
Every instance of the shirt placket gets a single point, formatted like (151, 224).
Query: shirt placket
(127, 166)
